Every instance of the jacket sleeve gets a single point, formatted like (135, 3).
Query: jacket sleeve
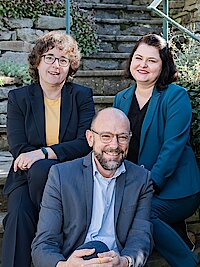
(46, 246)
(139, 242)
(175, 136)
(16, 135)
(78, 147)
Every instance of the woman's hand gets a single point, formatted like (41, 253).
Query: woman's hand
(25, 160)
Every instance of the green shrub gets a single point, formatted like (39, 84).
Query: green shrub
(20, 9)
(1, 82)
(83, 26)
(187, 58)
(11, 69)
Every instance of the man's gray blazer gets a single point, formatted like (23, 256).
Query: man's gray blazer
(66, 212)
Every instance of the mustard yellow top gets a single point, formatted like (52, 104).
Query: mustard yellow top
(52, 120)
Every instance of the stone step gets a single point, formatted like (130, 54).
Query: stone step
(104, 82)
(119, 38)
(2, 215)
(129, 21)
(127, 26)
(118, 43)
(118, 11)
(124, 2)
(3, 135)
(108, 55)
(100, 73)
(104, 61)
(2, 128)
(5, 163)
(103, 99)
(110, 6)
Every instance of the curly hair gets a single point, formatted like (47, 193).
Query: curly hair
(48, 41)
(169, 71)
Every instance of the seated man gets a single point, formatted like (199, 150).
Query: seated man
(100, 197)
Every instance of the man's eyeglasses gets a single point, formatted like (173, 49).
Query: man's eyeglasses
(107, 137)
(50, 59)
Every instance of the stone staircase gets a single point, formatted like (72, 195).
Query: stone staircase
(119, 25)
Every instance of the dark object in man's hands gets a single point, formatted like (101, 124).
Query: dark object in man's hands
(99, 246)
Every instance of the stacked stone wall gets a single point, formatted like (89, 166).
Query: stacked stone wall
(188, 14)
(185, 12)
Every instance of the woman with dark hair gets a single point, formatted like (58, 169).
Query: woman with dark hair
(46, 124)
(160, 114)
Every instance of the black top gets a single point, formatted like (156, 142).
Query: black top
(136, 117)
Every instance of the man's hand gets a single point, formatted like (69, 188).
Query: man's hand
(115, 260)
(76, 260)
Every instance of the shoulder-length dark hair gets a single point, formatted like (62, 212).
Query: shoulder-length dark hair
(169, 72)
(48, 41)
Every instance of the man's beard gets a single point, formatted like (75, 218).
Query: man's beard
(110, 164)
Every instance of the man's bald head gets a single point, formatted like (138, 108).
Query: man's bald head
(110, 115)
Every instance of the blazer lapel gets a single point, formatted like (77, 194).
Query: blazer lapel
(88, 183)
(37, 104)
(149, 116)
(120, 185)
(127, 99)
(66, 109)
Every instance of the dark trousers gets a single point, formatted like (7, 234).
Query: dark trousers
(22, 217)
(166, 213)
(37, 177)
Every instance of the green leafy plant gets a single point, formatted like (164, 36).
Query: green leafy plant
(187, 58)
(83, 26)
(32, 8)
(1, 82)
(20, 9)
(11, 69)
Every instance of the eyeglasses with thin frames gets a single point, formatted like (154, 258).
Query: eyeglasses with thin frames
(107, 137)
(50, 59)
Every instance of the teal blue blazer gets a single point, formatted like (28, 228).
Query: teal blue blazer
(165, 147)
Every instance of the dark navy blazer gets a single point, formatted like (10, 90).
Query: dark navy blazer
(165, 147)
(26, 125)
